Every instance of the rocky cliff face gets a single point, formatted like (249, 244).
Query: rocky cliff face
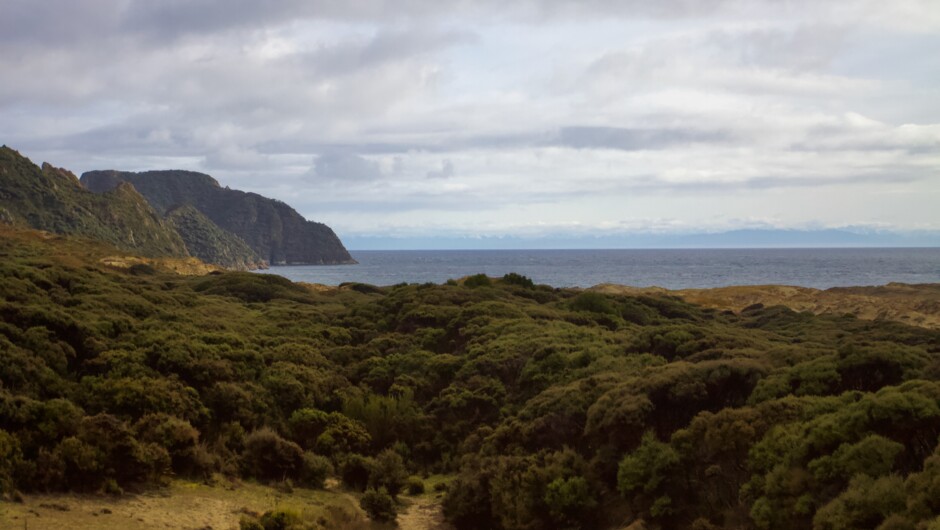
(274, 230)
(52, 199)
(210, 243)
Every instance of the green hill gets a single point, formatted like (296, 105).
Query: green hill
(210, 243)
(52, 199)
(274, 230)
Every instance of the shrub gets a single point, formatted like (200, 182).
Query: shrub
(356, 471)
(592, 302)
(477, 280)
(306, 425)
(517, 279)
(314, 470)
(10, 458)
(269, 456)
(177, 436)
(379, 505)
(415, 485)
(389, 472)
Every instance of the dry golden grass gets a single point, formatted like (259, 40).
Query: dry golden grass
(182, 505)
(917, 305)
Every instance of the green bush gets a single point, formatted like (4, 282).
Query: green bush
(314, 470)
(389, 472)
(592, 302)
(415, 485)
(517, 279)
(356, 471)
(268, 456)
(477, 280)
(379, 505)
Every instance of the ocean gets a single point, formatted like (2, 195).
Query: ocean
(672, 269)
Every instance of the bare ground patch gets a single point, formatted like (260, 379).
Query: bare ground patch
(182, 505)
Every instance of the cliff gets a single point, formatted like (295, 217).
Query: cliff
(274, 230)
(206, 241)
(52, 199)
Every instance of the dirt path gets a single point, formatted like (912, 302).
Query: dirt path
(424, 513)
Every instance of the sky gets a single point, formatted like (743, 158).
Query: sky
(476, 120)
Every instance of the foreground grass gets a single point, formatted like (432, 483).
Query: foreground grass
(181, 505)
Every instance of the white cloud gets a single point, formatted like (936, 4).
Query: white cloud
(345, 167)
(446, 171)
(590, 114)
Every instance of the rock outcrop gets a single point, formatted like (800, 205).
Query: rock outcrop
(274, 230)
(206, 241)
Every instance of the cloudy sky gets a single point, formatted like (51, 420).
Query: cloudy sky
(405, 119)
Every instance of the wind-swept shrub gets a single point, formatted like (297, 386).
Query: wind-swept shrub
(268, 456)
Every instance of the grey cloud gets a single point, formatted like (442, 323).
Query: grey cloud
(858, 133)
(803, 48)
(446, 171)
(655, 183)
(627, 139)
(58, 21)
(130, 138)
(384, 47)
(576, 137)
(346, 167)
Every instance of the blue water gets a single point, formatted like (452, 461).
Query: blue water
(672, 269)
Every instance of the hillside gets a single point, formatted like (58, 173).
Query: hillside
(52, 199)
(210, 243)
(274, 230)
(918, 305)
(549, 408)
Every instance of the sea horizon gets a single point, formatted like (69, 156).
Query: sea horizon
(682, 268)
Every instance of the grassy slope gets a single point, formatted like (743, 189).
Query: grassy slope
(917, 305)
(52, 199)
(183, 504)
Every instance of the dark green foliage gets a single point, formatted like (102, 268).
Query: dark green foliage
(647, 472)
(268, 456)
(570, 501)
(517, 279)
(553, 409)
(415, 485)
(177, 437)
(356, 471)
(363, 288)
(314, 470)
(379, 505)
(593, 303)
(389, 472)
(250, 287)
(478, 280)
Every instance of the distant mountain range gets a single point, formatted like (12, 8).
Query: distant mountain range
(749, 238)
(163, 213)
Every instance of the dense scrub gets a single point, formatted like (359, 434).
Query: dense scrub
(554, 408)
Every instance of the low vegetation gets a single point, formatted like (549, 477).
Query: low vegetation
(550, 408)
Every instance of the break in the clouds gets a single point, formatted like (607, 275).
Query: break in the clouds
(440, 119)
